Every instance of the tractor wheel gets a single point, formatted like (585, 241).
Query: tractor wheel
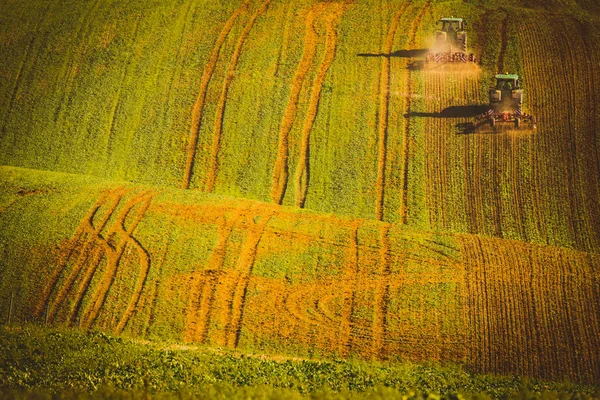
(517, 122)
(493, 122)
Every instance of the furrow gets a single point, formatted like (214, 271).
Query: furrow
(88, 246)
(201, 301)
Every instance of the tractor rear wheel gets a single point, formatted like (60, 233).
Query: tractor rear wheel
(493, 122)
(517, 122)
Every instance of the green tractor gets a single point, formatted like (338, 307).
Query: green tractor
(451, 43)
(506, 100)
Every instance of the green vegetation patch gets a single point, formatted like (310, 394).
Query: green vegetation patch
(43, 363)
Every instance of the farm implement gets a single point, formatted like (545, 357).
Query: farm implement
(450, 44)
(505, 109)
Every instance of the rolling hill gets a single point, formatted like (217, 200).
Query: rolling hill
(286, 177)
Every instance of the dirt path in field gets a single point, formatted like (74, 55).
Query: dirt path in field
(82, 245)
(405, 153)
(384, 100)
(204, 284)
(302, 175)
(122, 236)
(200, 100)
(280, 170)
(230, 74)
(244, 270)
(90, 250)
(331, 14)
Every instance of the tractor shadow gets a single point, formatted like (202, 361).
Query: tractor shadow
(413, 53)
(462, 128)
(451, 112)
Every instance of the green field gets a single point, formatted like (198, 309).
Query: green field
(288, 178)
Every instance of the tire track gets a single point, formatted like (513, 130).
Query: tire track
(218, 124)
(382, 294)
(87, 236)
(125, 81)
(140, 203)
(203, 293)
(244, 268)
(200, 100)
(403, 212)
(67, 76)
(384, 101)
(141, 283)
(21, 72)
(302, 176)
(349, 293)
(280, 169)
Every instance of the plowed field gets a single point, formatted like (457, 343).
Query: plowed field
(288, 177)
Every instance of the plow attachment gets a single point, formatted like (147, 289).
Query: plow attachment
(499, 123)
(451, 62)
(505, 122)
(451, 57)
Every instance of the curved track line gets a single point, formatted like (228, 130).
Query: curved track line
(384, 101)
(115, 253)
(280, 170)
(244, 267)
(88, 235)
(218, 124)
(403, 212)
(199, 104)
(201, 301)
(302, 175)
(143, 277)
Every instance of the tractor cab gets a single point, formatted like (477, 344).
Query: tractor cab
(451, 24)
(506, 101)
(507, 82)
